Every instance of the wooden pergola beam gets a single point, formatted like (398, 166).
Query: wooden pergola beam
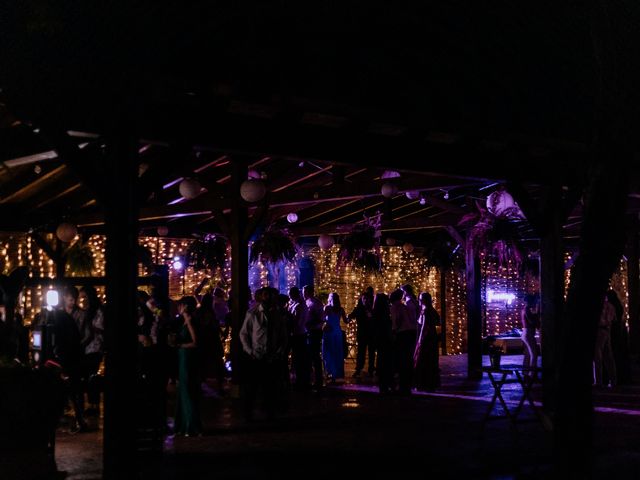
(395, 226)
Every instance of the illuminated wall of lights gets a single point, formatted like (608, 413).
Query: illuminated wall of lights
(399, 268)
(619, 284)
(183, 279)
(503, 288)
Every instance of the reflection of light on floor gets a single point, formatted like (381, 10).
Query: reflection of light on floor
(373, 389)
(351, 403)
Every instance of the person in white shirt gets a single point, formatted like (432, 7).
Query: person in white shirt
(264, 338)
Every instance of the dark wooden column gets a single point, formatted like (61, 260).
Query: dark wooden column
(239, 263)
(121, 220)
(474, 312)
(443, 310)
(633, 279)
(551, 292)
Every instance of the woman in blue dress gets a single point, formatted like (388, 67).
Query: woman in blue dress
(332, 350)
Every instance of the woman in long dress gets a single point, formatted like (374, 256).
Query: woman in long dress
(426, 368)
(187, 410)
(332, 348)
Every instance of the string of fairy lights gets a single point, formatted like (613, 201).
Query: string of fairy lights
(503, 287)
(398, 268)
(503, 283)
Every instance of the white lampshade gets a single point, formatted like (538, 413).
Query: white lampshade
(389, 189)
(253, 190)
(390, 174)
(412, 194)
(408, 247)
(66, 232)
(325, 241)
(163, 231)
(501, 204)
(189, 188)
(292, 217)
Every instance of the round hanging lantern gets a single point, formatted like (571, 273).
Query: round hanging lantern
(325, 241)
(390, 174)
(390, 241)
(407, 247)
(163, 231)
(389, 189)
(66, 232)
(189, 188)
(413, 194)
(501, 204)
(253, 190)
(292, 217)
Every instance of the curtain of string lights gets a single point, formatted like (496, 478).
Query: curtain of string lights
(399, 268)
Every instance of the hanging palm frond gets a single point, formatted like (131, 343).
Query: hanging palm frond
(497, 236)
(273, 246)
(207, 253)
(79, 260)
(359, 248)
(442, 255)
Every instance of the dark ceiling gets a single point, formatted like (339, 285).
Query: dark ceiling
(320, 96)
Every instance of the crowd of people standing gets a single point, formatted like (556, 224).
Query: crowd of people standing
(288, 341)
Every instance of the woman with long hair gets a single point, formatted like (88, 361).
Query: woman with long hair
(94, 350)
(425, 360)
(332, 348)
(187, 421)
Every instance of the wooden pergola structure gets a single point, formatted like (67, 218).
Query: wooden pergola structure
(99, 129)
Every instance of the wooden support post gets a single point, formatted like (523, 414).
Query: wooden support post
(121, 218)
(551, 293)
(61, 260)
(239, 264)
(474, 312)
(633, 279)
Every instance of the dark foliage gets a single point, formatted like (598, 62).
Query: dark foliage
(273, 246)
(79, 259)
(358, 247)
(494, 236)
(207, 253)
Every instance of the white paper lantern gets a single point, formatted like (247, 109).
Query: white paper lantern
(163, 231)
(389, 189)
(407, 247)
(325, 241)
(189, 188)
(390, 241)
(66, 232)
(412, 194)
(390, 174)
(253, 190)
(292, 217)
(501, 204)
